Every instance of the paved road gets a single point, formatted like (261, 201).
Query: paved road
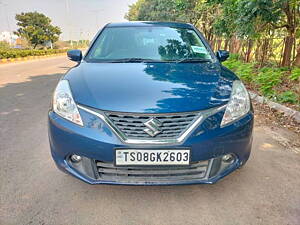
(33, 191)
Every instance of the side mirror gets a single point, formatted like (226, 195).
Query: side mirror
(75, 55)
(222, 55)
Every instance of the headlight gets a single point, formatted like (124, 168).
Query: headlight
(238, 105)
(63, 103)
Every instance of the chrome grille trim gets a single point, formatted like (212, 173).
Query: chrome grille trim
(201, 115)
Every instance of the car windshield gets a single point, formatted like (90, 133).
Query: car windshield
(141, 44)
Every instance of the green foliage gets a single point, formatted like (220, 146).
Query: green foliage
(16, 53)
(244, 70)
(4, 45)
(295, 73)
(134, 11)
(225, 25)
(162, 10)
(234, 57)
(253, 16)
(288, 97)
(232, 64)
(268, 78)
(153, 10)
(187, 10)
(248, 19)
(36, 28)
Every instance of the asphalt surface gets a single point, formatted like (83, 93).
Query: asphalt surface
(34, 191)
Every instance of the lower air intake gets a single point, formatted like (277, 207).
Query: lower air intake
(136, 174)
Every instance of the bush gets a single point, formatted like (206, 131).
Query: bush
(244, 70)
(4, 45)
(234, 57)
(268, 78)
(16, 53)
(232, 64)
(288, 97)
(295, 74)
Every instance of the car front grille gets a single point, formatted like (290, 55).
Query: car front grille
(133, 125)
(155, 128)
(143, 174)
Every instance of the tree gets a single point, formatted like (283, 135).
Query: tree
(258, 19)
(162, 10)
(134, 10)
(36, 28)
(290, 21)
(273, 14)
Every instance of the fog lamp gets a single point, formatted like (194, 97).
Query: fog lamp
(229, 158)
(75, 158)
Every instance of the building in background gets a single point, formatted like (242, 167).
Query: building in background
(8, 37)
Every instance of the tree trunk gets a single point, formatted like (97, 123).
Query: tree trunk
(287, 53)
(291, 28)
(270, 49)
(297, 59)
(237, 46)
(219, 44)
(281, 52)
(264, 51)
(249, 49)
(232, 44)
(257, 50)
(212, 43)
(226, 44)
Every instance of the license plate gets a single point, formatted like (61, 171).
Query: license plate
(126, 157)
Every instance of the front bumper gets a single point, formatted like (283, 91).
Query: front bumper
(95, 142)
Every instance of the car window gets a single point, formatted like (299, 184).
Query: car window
(153, 43)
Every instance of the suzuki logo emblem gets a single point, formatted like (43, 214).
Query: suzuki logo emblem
(153, 127)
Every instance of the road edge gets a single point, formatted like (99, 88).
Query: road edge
(278, 107)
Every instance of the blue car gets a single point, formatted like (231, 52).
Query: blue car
(150, 104)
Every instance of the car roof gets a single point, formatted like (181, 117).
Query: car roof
(150, 24)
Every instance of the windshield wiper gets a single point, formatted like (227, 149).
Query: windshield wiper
(125, 60)
(189, 60)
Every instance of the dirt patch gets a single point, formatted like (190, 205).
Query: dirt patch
(284, 130)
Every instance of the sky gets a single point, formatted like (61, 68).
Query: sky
(78, 19)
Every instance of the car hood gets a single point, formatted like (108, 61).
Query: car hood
(150, 87)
